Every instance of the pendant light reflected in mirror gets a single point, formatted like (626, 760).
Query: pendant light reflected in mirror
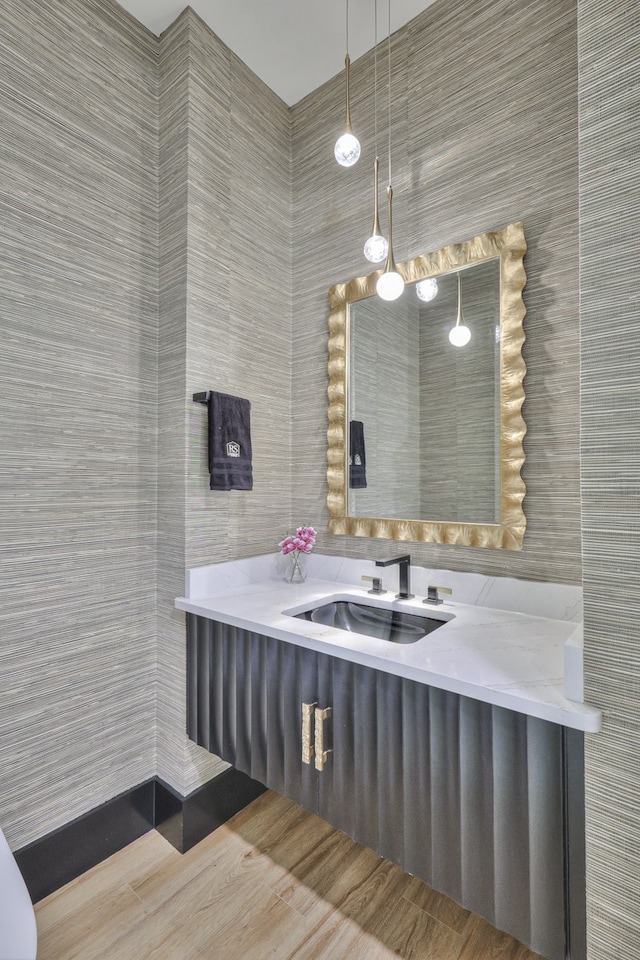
(427, 290)
(347, 148)
(390, 283)
(376, 247)
(460, 335)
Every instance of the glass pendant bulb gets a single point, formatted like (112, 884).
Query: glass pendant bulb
(347, 148)
(427, 289)
(459, 335)
(390, 284)
(376, 247)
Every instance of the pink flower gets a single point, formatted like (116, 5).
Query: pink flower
(287, 545)
(307, 534)
(302, 541)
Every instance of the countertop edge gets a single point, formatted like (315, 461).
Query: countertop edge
(577, 716)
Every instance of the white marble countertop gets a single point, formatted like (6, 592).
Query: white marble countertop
(510, 659)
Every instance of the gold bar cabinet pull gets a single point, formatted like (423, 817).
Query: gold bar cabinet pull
(307, 743)
(321, 753)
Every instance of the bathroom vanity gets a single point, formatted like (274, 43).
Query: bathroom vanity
(456, 756)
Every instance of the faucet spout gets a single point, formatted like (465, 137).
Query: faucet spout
(403, 574)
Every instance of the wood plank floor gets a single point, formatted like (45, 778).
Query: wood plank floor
(275, 883)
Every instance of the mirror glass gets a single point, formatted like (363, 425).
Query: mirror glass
(425, 437)
(424, 415)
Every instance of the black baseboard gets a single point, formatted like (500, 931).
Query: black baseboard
(59, 857)
(184, 821)
(54, 860)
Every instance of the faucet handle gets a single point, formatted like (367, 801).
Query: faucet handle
(377, 584)
(432, 594)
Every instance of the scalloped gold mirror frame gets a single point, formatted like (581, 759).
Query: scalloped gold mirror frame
(509, 245)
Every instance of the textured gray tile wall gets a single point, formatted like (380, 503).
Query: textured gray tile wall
(609, 58)
(78, 327)
(484, 133)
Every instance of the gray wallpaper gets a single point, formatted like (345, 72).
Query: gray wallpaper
(479, 139)
(225, 320)
(78, 332)
(609, 35)
(174, 162)
(183, 120)
(127, 283)
(169, 226)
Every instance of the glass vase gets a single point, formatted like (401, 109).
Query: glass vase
(296, 564)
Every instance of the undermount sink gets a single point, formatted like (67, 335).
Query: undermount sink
(380, 622)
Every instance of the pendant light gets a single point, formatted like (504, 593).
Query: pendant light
(376, 247)
(390, 284)
(460, 335)
(347, 148)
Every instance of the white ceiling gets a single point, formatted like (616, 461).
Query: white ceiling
(294, 46)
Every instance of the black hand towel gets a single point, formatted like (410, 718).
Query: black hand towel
(229, 442)
(357, 458)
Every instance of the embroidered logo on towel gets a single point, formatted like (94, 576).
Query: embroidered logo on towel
(358, 461)
(233, 449)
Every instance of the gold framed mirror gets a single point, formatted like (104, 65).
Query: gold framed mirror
(425, 438)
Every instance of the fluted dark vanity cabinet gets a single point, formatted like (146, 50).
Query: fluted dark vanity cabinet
(473, 798)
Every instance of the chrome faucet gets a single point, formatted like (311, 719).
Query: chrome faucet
(403, 563)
